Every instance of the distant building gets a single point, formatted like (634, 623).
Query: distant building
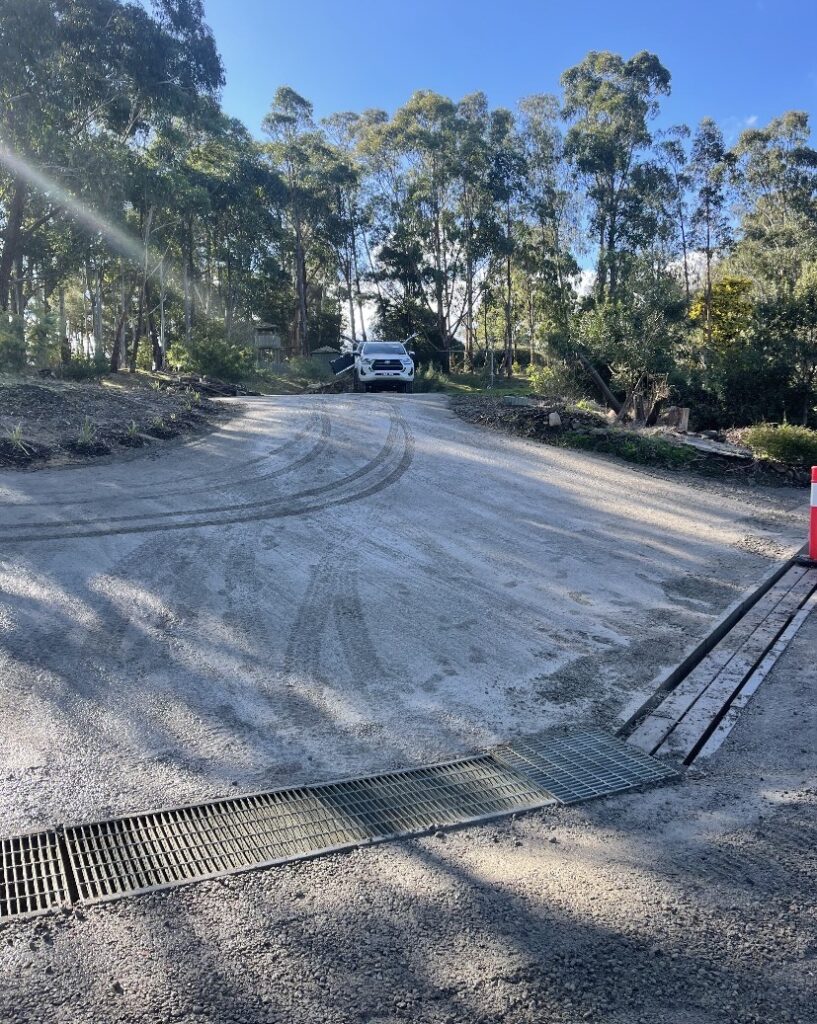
(269, 348)
(325, 355)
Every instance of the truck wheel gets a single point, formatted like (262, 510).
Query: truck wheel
(408, 387)
(357, 386)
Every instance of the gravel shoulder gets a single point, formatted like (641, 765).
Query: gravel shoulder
(689, 904)
(332, 585)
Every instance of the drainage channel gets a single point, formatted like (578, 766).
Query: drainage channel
(139, 853)
(701, 708)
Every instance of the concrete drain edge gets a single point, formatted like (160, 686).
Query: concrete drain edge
(103, 860)
(693, 712)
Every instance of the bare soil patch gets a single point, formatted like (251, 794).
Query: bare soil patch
(52, 422)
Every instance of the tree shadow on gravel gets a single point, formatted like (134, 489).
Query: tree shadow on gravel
(175, 668)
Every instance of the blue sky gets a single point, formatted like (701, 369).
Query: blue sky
(738, 61)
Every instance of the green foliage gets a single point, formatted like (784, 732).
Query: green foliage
(43, 345)
(636, 448)
(15, 436)
(82, 368)
(430, 379)
(730, 310)
(212, 354)
(553, 379)
(611, 102)
(309, 369)
(144, 355)
(453, 221)
(13, 356)
(796, 446)
(87, 433)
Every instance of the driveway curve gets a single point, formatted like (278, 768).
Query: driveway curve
(337, 584)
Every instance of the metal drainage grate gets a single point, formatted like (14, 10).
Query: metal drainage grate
(589, 764)
(152, 851)
(143, 852)
(33, 877)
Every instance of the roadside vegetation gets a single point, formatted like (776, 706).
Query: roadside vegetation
(566, 243)
(786, 443)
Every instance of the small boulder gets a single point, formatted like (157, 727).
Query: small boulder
(554, 420)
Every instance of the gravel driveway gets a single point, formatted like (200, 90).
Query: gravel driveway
(338, 584)
(332, 585)
(690, 904)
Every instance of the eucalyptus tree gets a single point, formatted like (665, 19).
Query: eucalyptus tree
(552, 206)
(507, 182)
(424, 135)
(672, 155)
(478, 228)
(610, 103)
(352, 215)
(71, 74)
(711, 222)
(290, 126)
(776, 184)
(316, 180)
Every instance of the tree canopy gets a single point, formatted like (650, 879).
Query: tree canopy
(142, 226)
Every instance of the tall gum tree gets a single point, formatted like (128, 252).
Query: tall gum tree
(610, 102)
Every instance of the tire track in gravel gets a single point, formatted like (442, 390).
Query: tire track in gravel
(316, 420)
(359, 650)
(332, 598)
(381, 456)
(315, 499)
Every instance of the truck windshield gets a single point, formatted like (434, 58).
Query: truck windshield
(383, 348)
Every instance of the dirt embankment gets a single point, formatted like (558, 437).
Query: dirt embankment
(53, 422)
(557, 422)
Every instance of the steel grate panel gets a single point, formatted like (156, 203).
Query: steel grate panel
(413, 801)
(142, 852)
(583, 766)
(32, 874)
(155, 850)
(151, 851)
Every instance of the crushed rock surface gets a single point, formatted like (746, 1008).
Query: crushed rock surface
(335, 585)
(691, 904)
(145, 670)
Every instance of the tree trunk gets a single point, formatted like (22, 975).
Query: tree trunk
(442, 327)
(65, 344)
(708, 287)
(469, 315)
(358, 292)
(11, 239)
(600, 383)
(508, 360)
(162, 333)
(301, 346)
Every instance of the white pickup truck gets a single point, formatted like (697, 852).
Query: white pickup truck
(383, 364)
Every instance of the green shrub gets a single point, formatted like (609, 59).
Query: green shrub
(12, 343)
(553, 379)
(796, 446)
(43, 339)
(87, 433)
(430, 379)
(308, 369)
(212, 354)
(80, 368)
